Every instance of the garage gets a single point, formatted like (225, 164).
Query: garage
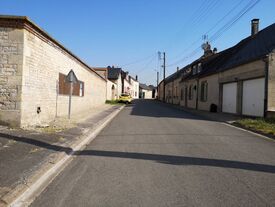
(229, 98)
(253, 97)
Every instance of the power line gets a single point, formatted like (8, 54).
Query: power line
(223, 29)
(146, 65)
(234, 20)
(205, 8)
(138, 60)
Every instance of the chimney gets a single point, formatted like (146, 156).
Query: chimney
(254, 26)
(136, 77)
(178, 69)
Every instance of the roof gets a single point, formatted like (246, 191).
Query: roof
(247, 50)
(144, 86)
(23, 22)
(113, 73)
(253, 47)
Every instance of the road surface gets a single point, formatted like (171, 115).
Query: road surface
(155, 155)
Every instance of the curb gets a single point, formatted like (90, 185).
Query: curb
(251, 131)
(37, 186)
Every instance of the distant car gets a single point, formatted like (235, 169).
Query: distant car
(125, 98)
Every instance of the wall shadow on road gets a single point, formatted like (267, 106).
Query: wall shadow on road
(154, 108)
(181, 160)
(37, 143)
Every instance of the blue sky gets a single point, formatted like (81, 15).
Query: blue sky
(119, 32)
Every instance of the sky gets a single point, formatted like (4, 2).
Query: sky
(129, 33)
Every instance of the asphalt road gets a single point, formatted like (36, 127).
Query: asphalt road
(154, 155)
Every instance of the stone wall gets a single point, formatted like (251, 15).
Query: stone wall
(192, 103)
(250, 70)
(43, 61)
(271, 85)
(111, 90)
(212, 93)
(160, 91)
(11, 60)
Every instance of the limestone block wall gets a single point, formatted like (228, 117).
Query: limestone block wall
(250, 70)
(160, 91)
(212, 92)
(271, 84)
(176, 91)
(11, 60)
(43, 61)
(192, 103)
(147, 93)
(111, 90)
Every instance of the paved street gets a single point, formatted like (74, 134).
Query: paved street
(154, 155)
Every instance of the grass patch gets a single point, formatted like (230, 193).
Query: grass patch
(113, 102)
(266, 126)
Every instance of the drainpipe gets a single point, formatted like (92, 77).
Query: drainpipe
(266, 61)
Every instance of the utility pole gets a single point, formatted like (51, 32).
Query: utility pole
(157, 78)
(164, 76)
(164, 70)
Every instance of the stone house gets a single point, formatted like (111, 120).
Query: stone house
(134, 87)
(172, 87)
(238, 80)
(33, 68)
(115, 76)
(111, 86)
(145, 92)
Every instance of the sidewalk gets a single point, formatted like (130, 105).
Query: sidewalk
(218, 116)
(26, 154)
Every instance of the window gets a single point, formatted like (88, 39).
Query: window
(204, 91)
(64, 87)
(190, 92)
(199, 68)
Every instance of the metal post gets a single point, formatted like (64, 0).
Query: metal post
(70, 99)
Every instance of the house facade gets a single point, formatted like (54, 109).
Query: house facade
(111, 86)
(134, 87)
(145, 92)
(238, 80)
(115, 76)
(33, 71)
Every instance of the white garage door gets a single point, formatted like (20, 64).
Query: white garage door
(229, 98)
(253, 97)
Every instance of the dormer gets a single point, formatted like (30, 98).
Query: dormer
(199, 67)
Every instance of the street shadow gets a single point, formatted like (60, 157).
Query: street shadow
(37, 143)
(164, 159)
(181, 160)
(154, 108)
